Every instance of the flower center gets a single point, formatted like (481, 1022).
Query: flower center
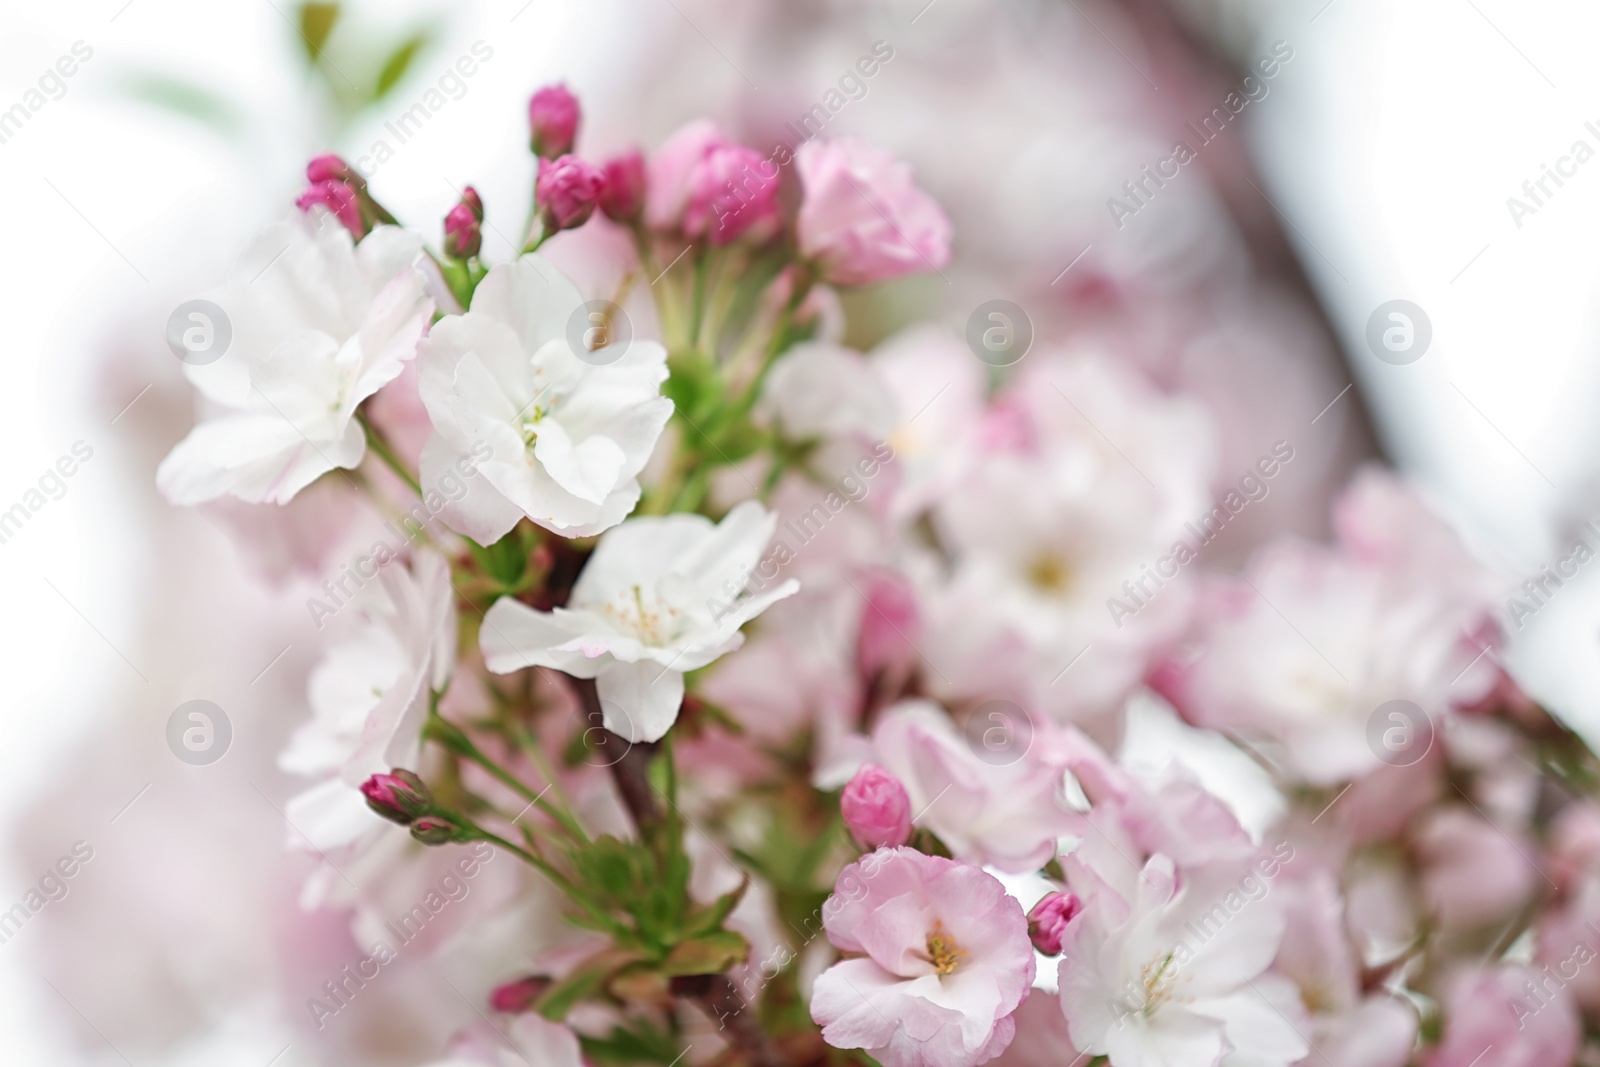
(652, 622)
(1049, 573)
(943, 952)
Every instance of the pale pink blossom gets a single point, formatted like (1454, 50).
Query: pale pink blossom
(1003, 806)
(1492, 1018)
(703, 184)
(940, 958)
(862, 219)
(1154, 978)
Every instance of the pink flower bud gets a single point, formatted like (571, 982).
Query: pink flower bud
(889, 626)
(553, 116)
(622, 196)
(331, 168)
(432, 830)
(567, 191)
(876, 808)
(463, 227)
(1047, 922)
(339, 198)
(399, 796)
(516, 997)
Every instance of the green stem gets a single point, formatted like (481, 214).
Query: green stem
(381, 448)
(456, 740)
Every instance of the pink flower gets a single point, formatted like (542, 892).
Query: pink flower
(862, 220)
(703, 184)
(1492, 1019)
(339, 198)
(1346, 656)
(622, 195)
(1048, 919)
(567, 191)
(553, 116)
(876, 809)
(940, 960)
(1000, 807)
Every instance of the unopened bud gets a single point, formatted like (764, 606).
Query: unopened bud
(622, 194)
(553, 116)
(331, 168)
(876, 808)
(1047, 921)
(567, 191)
(341, 199)
(519, 996)
(432, 830)
(399, 796)
(463, 227)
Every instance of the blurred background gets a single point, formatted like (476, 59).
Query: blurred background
(1351, 161)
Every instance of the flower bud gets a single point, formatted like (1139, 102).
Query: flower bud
(622, 195)
(331, 168)
(552, 121)
(463, 227)
(876, 808)
(399, 796)
(567, 191)
(341, 199)
(432, 830)
(516, 997)
(1047, 921)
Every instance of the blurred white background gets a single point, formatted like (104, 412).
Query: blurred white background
(1390, 146)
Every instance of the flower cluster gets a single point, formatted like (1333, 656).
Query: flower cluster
(797, 676)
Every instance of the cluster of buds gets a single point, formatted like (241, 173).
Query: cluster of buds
(336, 186)
(402, 797)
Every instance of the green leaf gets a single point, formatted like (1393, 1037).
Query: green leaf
(583, 982)
(710, 953)
(316, 23)
(399, 61)
(184, 98)
(709, 918)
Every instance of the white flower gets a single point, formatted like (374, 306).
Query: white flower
(1153, 979)
(318, 324)
(369, 702)
(568, 437)
(660, 596)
